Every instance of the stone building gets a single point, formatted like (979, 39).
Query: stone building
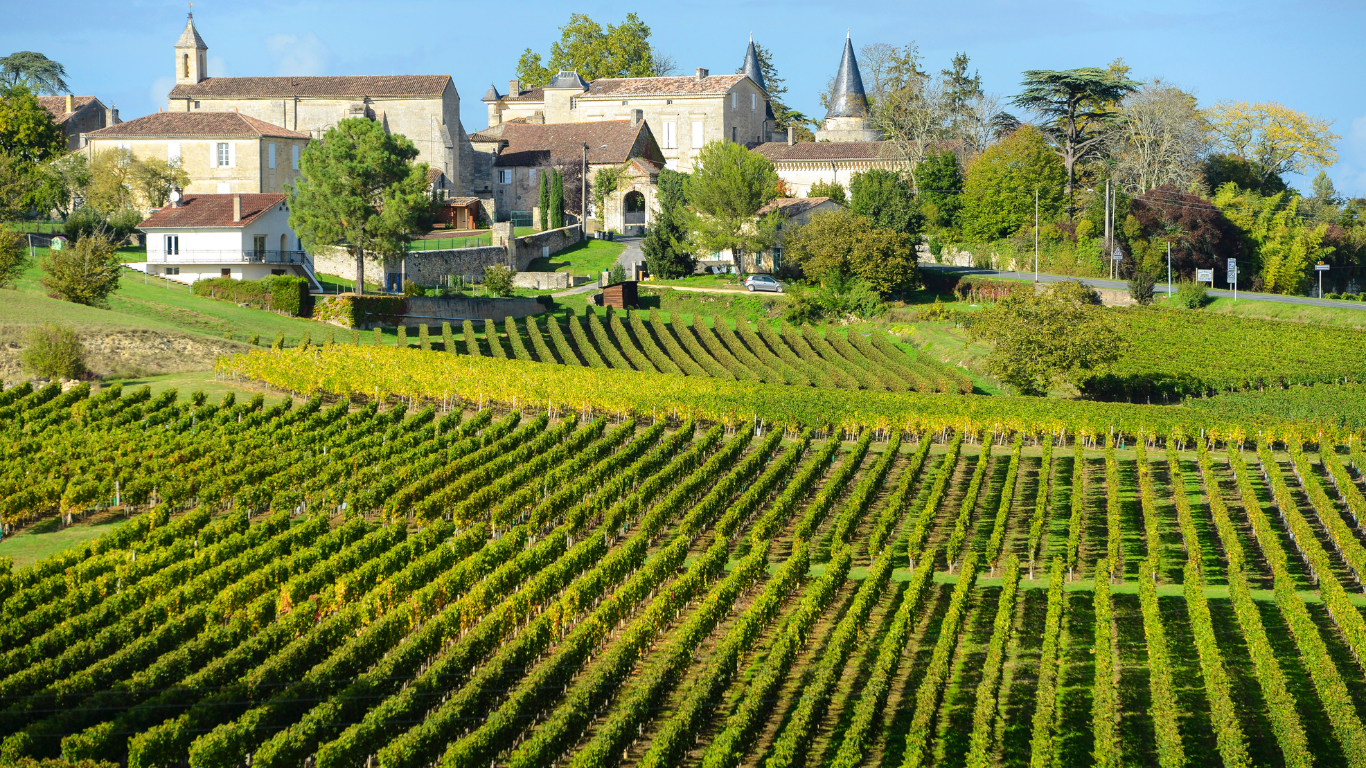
(518, 153)
(424, 108)
(684, 113)
(77, 115)
(223, 152)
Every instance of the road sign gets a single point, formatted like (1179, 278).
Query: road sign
(1320, 267)
(1204, 275)
(1119, 255)
(1232, 264)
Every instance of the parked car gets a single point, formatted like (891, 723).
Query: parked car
(763, 283)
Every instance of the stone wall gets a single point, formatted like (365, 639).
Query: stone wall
(429, 310)
(548, 281)
(547, 243)
(436, 267)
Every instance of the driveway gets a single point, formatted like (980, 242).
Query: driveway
(1161, 287)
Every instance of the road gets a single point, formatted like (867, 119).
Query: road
(1161, 287)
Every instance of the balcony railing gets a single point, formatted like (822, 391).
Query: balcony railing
(633, 217)
(230, 257)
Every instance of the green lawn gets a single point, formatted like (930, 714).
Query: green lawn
(46, 539)
(587, 257)
(1345, 317)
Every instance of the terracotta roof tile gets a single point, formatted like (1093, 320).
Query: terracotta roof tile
(662, 86)
(531, 94)
(387, 86)
(533, 145)
(211, 211)
(56, 106)
(793, 206)
(195, 124)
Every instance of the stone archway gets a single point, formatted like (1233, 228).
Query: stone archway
(633, 209)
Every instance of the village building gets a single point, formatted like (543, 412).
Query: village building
(518, 154)
(424, 108)
(242, 236)
(223, 153)
(77, 115)
(793, 212)
(684, 113)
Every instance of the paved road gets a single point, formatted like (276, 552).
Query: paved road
(1161, 287)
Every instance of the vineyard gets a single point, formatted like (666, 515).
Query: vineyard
(1173, 354)
(757, 353)
(436, 581)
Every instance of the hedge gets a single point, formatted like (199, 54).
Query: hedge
(280, 293)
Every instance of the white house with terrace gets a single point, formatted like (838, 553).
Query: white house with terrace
(242, 236)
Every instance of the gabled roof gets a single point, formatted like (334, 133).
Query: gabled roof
(710, 85)
(190, 37)
(56, 106)
(848, 99)
(197, 211)
(377, 86)
(530, 94)
(778, 151)
(794, 206)
(171, 125)
(610, 142)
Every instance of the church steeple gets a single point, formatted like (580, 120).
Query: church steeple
(751, 68)
(191, 56)
(848, 98)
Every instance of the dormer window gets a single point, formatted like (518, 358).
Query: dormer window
(624, 102)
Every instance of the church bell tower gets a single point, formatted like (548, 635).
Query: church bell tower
(191, 56)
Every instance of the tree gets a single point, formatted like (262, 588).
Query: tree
(27, 131)
(605, 184)
(111, 181)
(1200, 235)
(62, 182)
(1075, 106)
(998, 198)
(1160, 139)
(153, 179)
(556, 200)
(941, 186)
(960, 91)
(885, 198)
(728, 186)
(18, 182)
(831, 189)
(622, 50)
(665, 245)
(498, 279)
(1275, 139)
(360, 188)
(1141, 286)
(840, 247)
(1284, 246)
(1220, 168)
(13, 257)
(1324, 191)
(85, 273)
(53, 352)
(1041, 339)
(543, 202)
(35, 71)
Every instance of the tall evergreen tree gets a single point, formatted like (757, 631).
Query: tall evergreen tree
(556, 200)
(665, 244)
(543, 202)
(941, 183)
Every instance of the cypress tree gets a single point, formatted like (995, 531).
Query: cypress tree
(544, 202)
(556, 201)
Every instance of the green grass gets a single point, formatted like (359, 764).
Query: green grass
(46, 539)
(726, 282)
(587, 257)
(196, 381)
(1346, 317)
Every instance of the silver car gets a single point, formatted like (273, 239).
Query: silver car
(762, 283)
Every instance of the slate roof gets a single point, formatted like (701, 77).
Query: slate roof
(848, 98)
(375, 86)
(778, 151)
(211, 211)
(195, 125)
(751, 67)
(56, 106)
(190, 37)
(530, 94)
(492, 94)
(567, 79)
(710, 85)
(533, 145)
(793, 206)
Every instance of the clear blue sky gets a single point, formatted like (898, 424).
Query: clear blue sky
(1307, 55)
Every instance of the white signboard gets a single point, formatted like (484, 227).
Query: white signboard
(1321, 267)
(1204, 275)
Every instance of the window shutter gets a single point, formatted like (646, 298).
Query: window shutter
(213, 154)
(173, 152)
(697, 132)
(271, 159)
(232, 154)
(296, 157)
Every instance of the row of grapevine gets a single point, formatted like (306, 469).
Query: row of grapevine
(1165, 709)
(998, 528)
(960, 524)
(900, 498)
(1043, 501)
(1044, 729)
(986, 706)
(1114, 531)
(1104, 690)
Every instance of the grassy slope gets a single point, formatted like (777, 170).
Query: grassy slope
(588, 257)
(43, 540)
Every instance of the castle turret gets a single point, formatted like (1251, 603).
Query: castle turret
(847, 117)
(191, 56)
(754, 71)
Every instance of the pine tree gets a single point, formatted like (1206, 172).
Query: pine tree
(665, 244)
(544, 202)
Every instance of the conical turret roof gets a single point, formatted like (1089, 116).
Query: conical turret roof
(751, 68)
(190, 37)
(492, 95)
(848, 98)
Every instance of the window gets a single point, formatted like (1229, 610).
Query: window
(224, 188)
(531, 175)
(172, 245)
(734, 100)
(697, 134)
(258, 245)
(225, 272)
(754, 101)
(295, 161)
(504, 176)
(173, 270)
(270, 159)
(733, 132)
(125, 145)
(624, 102)
(173, 153)
(185, 65)
(224, 154)
(196, 105)
(670, 134)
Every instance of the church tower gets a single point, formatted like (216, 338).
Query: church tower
(847, 117)
(191, 56)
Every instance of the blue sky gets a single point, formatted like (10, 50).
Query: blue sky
(1307, 55)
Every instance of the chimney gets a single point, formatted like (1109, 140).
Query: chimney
(70, 103)
(112, 116)
(514, 87)
(236, 208)
(701, 74)
(636, 116)
(791, 135)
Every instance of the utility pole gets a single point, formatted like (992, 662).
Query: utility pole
(583, 196)
(1036, 234)
(1108, 245)
(1169, 269)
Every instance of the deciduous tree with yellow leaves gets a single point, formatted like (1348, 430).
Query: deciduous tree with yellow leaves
(1273, 137)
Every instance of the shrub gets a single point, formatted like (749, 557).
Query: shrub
(413, 289)
(1141, 287)
(85, 273)
(87, 222)
(13, 257)
(281, 293)
(498, 279)
(1334, 297)
(617, 274)
(53, 352)
(803, 306)
(1190, 294)
(402, 336)
(279, 342)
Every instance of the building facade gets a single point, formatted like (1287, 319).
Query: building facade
(242, 236)
(424, 108)
(223, 153)
(77, 115)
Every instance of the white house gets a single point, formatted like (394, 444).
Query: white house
(245, 237)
